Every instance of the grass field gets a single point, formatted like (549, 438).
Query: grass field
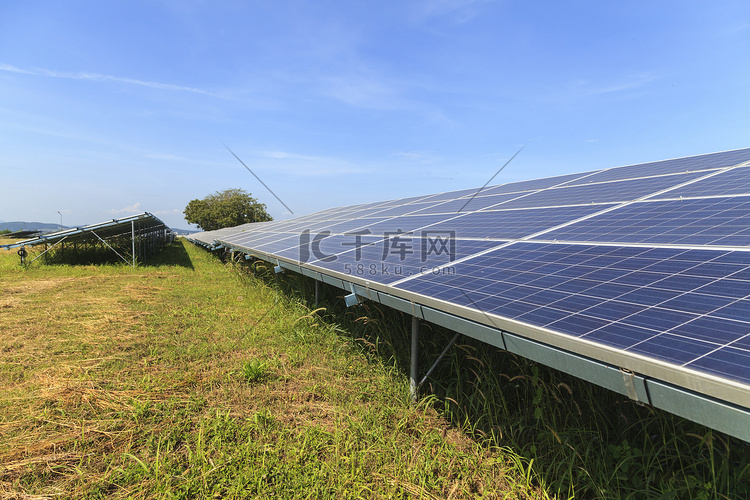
(185, 378)
(188, 378)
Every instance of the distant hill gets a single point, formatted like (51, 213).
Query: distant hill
(38, 226)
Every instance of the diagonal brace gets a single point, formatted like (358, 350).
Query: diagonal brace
(108, 246)
(438, 360)
(50, 248)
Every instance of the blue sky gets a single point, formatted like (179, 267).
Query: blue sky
(113, 108)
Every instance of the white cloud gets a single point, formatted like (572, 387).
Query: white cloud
(461, 10)
(364, 91)
(421, 157)
(96, 77)
(306, 165)
(163, 213)
(584, 88)
(135, 208)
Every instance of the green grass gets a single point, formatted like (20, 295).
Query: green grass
(188, 378)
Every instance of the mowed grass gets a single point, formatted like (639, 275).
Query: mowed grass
(189, 378)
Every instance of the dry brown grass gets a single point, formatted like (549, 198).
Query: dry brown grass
(61, 335)
(109, 374)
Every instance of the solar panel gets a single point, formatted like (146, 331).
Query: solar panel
(645, 268)
(145, 233)
(712, 161)
(700, 221)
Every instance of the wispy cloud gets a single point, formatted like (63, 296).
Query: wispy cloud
(364, 90)
(460, 10)
(97, 77)
(307, 165)
(165, 213)
(135, 208)
(420, 157)
(629, 82)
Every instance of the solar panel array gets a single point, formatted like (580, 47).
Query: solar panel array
(142, 224)
(644, 266)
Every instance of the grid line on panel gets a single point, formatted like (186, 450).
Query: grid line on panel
(522, 304)
(696, 221)
(734, 181)
(619, 191)
(703, 162)
(581, 219)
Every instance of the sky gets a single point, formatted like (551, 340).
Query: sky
(109, 109)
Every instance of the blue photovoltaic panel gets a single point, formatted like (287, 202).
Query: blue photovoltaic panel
(710, 161)
(608, 192)
(402, 201)
(533, 185)
(665, 278)
(509, 224)
(396, 210)
(707, 221)
(453, 195)
(389, 260)
(259, 242)
(406, 224)
(628, 298)
(349, 226)
(465, 205)
(731, 182)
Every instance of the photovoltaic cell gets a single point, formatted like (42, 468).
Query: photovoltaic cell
(706, 221)
(609, 192)
(387, 260)
(509, 224)
(532, 185)
(577, 300)
(711, 161)
(732, 182)
(466, 205)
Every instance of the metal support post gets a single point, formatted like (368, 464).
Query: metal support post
(132, 238)
(414, 358)
(317, 293)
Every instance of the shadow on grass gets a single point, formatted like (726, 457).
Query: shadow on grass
(173, 254)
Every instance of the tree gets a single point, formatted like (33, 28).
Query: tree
(228, 208)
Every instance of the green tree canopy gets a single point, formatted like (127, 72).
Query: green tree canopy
(227, 208)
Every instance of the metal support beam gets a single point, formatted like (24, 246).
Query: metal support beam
(414, 358)
(47, 249)
(352, 299)
(317, 293)
(115, 251)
